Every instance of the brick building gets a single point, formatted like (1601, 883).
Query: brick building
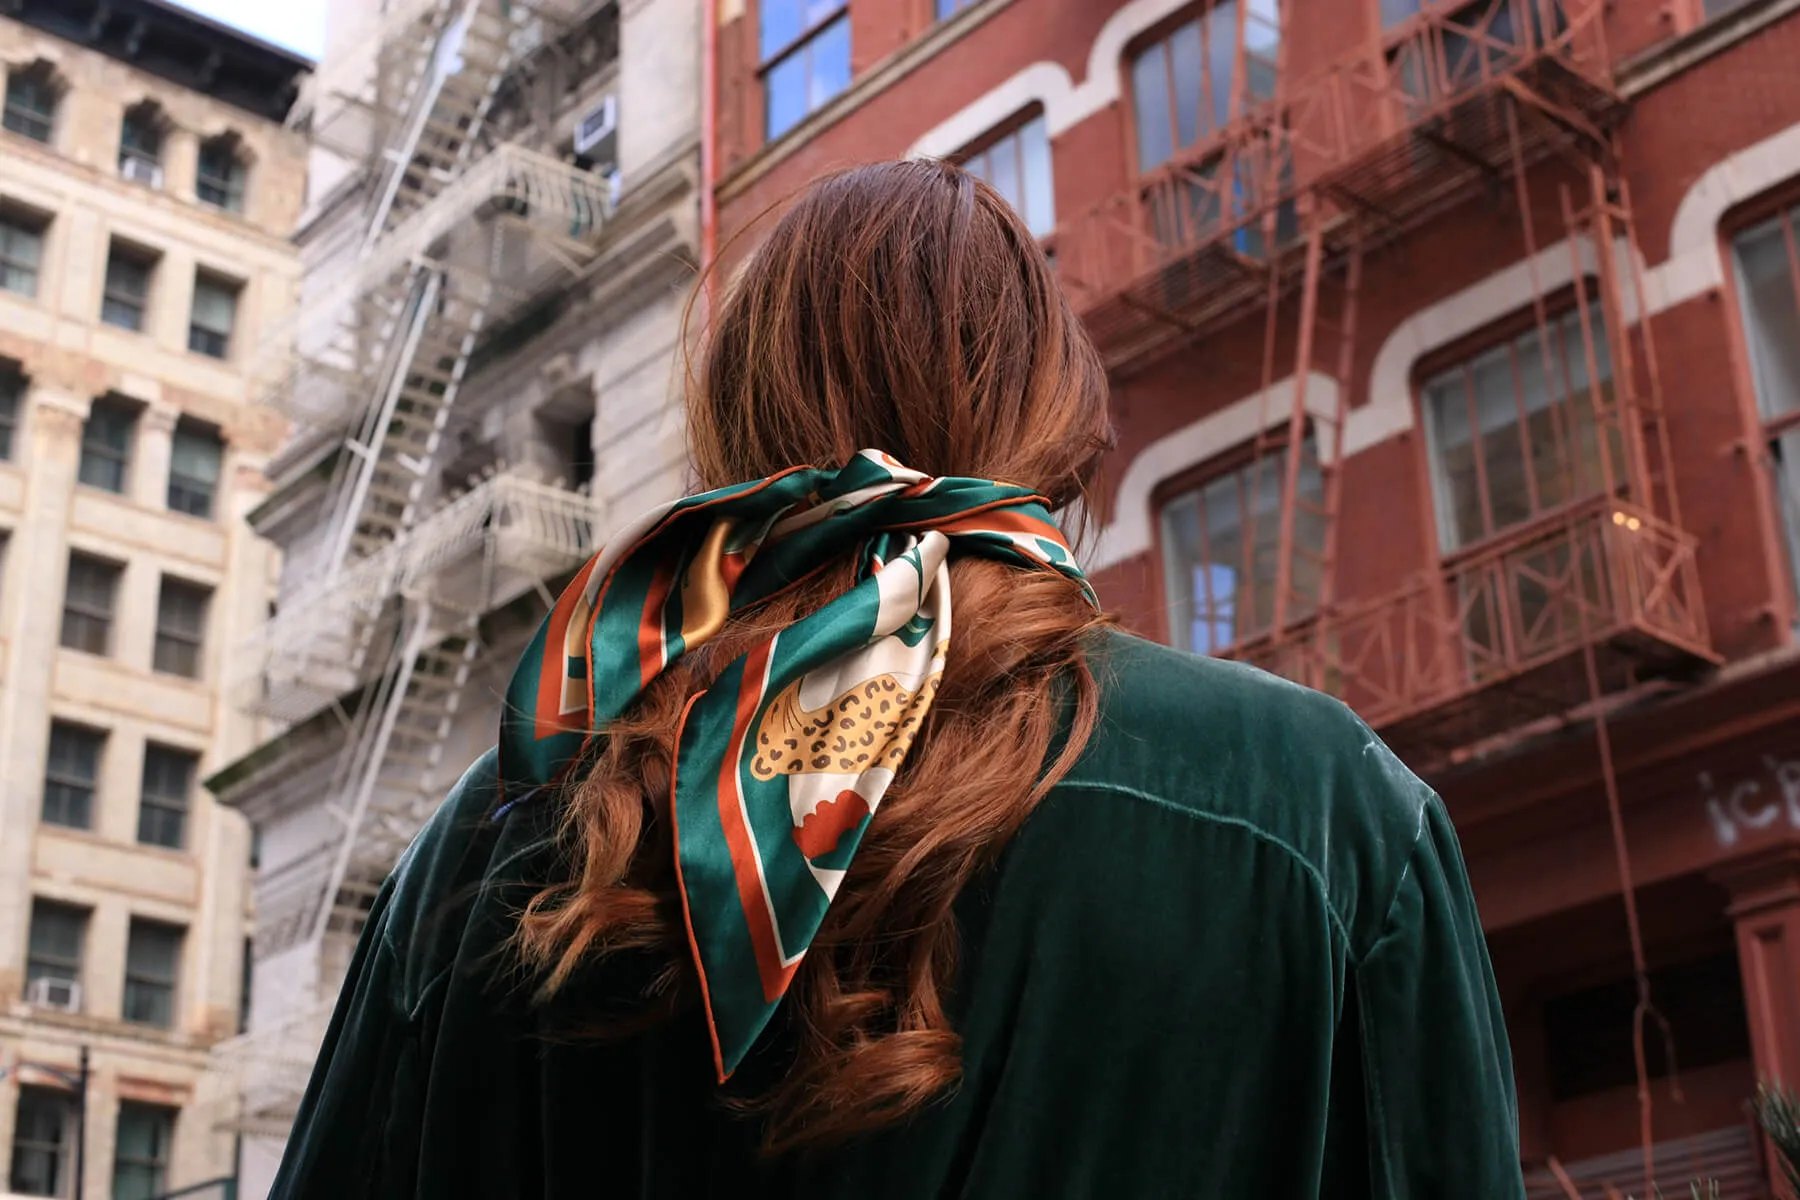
(1455, 352)
(147, 190)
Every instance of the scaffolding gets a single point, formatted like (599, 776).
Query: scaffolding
(460, 233)
(1548, 614)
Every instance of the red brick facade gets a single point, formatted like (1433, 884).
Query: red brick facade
(1707, 763)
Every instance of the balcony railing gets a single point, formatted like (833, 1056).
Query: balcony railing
(1395, 132)
(1497, 639)
(561, 205)
(1729, 1157)
(475, 553)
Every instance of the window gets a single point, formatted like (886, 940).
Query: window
(88, 600)
(1471, 46)
(180, 627)
(1718, 8)
(70, 775)
(163, 805)
(214, 313)
(21, 251)
(12, 391)
(43, 1142)
(949, 8)
(1767, 258)
(106, 444)
(141, 1152)
(194, 469)
(152, 958)
(55, 942)
(1512, 432)
(127, 287)
(140, 144)
(805, 50)
(220, 178)
(1184, 88)
(31, 95)
(1220, 550)
(1018, 167)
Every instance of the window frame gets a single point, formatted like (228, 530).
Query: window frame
(60, 1105)
(1014, 128)
(224, 286)
(114, 456)
(14, 383)
(156, 1168)
(1462, 353)
(1239, 105)
(234, 186)
(14, 221)
(160, 811)
(1779, 208)
(782, 54)
(40, 74)
(35, 959)
(1194, 480)
(137, 980)
(87, 609)
(127, 254)
(192, 641)
(88, 790)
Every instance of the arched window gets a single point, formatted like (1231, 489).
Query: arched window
(32, 93)
(223, 173)
(141, 143)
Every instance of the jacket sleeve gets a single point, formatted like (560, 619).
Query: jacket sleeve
(363, 1105)
(1442, 1113)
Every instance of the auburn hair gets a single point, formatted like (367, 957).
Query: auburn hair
(904, 307)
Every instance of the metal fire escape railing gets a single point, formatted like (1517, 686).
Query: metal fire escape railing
(1274, 213)
(425, 594)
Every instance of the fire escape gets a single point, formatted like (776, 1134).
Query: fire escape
(388, 634)
(1275, 216)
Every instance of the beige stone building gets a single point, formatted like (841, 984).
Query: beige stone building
(147, 193)
(500, 236)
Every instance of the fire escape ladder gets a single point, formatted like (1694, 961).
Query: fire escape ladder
(389, 766)
(443, 107)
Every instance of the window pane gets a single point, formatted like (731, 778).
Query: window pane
(194, 470)
(830, 53)
(151, 962)
(1395, 11)
(1221, 574)
(1150, 105)
(1767, 287)
(43, 1138)
(168, 782)
(69, 775)
(57, 933)
(106, 445)
(127, 286)
(1003, 168)
(141, 1151)
(30, 104)
(88, 598)
(1221, 56)
(1185, 57)
(1040, 183)
(786, 92)
(21, 253)
(12, 392)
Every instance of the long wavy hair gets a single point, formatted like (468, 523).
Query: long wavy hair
(902, 306)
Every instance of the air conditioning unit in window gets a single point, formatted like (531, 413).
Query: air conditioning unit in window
(596, 132)
(141, 170)
(49, 992)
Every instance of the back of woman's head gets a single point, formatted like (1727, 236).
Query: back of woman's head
(900, 307)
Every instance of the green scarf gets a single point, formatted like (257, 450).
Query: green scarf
(781, 764)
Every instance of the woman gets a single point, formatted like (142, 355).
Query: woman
(896, 872)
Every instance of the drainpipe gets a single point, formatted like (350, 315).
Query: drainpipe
(709, 133)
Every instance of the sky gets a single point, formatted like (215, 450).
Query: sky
(298, 25)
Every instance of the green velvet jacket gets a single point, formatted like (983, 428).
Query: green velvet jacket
(1233, 954)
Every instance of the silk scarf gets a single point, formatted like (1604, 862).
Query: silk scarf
(782, 762)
